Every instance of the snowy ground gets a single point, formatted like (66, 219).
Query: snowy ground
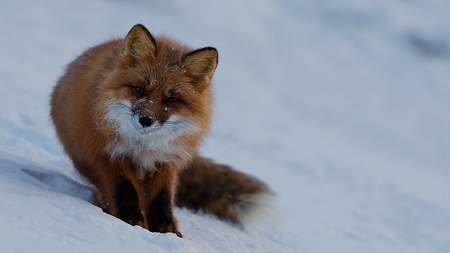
(341, 107)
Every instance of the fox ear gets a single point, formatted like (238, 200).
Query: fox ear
(200, 66)
(139, 46)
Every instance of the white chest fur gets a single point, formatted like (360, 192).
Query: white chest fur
(161, 142)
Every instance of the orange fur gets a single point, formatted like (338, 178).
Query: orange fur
(131, 114)
(101, 151)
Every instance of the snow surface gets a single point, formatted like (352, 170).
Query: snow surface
(341, 107)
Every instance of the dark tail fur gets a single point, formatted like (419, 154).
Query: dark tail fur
(219, 190)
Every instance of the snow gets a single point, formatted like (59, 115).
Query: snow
(341, 107)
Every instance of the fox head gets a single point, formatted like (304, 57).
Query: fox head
(159, 92)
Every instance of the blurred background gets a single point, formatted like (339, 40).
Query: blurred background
(342, 108)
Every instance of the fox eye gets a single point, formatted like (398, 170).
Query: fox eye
(172, 100)
(139, 89)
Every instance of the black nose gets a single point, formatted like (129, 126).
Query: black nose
(146, 121)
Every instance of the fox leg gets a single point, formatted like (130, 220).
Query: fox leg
(126, 200)
(160, 189)
(118, 194)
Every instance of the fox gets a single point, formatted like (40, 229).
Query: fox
(131, 114)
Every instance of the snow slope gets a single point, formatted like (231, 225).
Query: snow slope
(341, 107)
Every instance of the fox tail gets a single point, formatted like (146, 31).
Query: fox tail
(219, 190)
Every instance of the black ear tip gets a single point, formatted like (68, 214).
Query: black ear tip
(140, 26)
(215, 50)
(204, 49)
(135, 27)
(210, 48)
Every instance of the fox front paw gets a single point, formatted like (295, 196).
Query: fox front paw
(164, 226)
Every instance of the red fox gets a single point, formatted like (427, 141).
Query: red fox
(131, 114)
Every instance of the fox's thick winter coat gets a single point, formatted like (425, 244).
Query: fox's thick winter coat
(131, 114)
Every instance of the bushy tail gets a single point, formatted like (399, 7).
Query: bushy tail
(219, 190)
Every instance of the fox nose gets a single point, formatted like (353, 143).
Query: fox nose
(146, 121)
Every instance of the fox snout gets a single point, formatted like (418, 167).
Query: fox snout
(146, 112)
(146, 121)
